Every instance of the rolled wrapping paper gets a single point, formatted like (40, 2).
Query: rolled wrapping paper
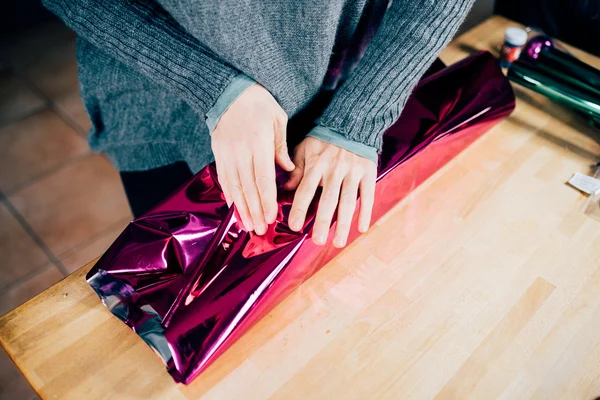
(558, 75)
(543, 53)
(577, 96)
(189, 281)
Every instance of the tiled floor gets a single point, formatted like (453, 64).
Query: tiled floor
(60, 205)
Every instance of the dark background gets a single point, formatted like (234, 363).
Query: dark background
(576, 22)
(16, 15)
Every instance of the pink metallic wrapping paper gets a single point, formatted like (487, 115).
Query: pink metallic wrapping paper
(190, 282)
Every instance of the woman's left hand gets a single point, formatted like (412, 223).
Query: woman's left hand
(342, 174)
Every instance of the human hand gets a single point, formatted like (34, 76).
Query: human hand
(249, 138)
(342, 174)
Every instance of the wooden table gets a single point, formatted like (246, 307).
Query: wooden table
(506, 304)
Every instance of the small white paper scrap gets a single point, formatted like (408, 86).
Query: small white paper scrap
(586, 184)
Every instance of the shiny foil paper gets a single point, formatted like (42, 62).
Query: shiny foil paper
(553, 72)
(189, 281)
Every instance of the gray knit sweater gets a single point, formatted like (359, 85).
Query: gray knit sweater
(151, 71)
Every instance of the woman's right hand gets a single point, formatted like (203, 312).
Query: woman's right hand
(248, 140)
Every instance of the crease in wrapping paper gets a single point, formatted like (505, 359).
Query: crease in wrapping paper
(189, 281)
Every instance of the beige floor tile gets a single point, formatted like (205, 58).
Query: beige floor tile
(79, 256)
(56, 73)
(19, 294)
(16, 99)
(13, 385)
(75, 204)
(34, 146)
(19, 254)
(74, 110)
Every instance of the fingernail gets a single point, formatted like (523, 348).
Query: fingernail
(248, 226)
(269, 219)
(339, 242)
(320, 238)
(363, 228)
(260, 229)
(294, 224)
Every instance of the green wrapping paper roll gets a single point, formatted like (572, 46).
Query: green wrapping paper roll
(558, 75)
(556, 61)
(586, 100)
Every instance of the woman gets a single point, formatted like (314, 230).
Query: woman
(170, 84)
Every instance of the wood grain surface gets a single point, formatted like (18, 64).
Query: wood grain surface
(484, 283)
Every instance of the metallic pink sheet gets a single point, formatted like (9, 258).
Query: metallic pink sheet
(189, 281)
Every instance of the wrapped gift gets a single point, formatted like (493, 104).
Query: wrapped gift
(189, 280)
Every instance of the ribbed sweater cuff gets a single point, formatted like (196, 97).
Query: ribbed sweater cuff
(236, 87)
(330, 136)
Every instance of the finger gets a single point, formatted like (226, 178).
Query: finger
(346, 209)
(237, 196)
(250, 191)
(367, 199)
(282, 156)
(222, 178)
(302, 199)
(264, 172)
(297, 173)
(327, 205)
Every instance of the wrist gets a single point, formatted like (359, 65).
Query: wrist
(236, 87)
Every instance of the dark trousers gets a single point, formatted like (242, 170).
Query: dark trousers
(145, 189)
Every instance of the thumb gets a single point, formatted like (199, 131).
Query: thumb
(298, 172)
(282, 157)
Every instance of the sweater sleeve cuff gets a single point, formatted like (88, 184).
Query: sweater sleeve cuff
(236, 87)
(330, 136)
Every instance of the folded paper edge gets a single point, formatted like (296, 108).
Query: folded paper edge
(122, 300)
